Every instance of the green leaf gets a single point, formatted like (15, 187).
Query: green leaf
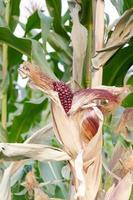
(20, 44)
(33, 22)
(29, 117)
(38, 55)
(116, 68)
(130, 81)
(5, 84)
(3, 134)
(127, 4)
(122, 5)
(2, 13)
(16, 55)
(60, 57)
(45, 26)
(128, 101)
(59, 44)
(118, 4)
(14, 14)
(51, 171)
(54, 8)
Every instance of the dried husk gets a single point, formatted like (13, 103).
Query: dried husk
(87, 168)
(102, 98)
(67, 130)
(93, 164)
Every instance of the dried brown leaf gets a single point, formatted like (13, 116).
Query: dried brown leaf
(122, 33)
(33, 187)
(34, 151)
(5, 191)
(41, 135)
(121, 92)
(122, 190)
(40, 195)
(30, 183)
(118, 153)
(124, 164)
(79, 43)
(125, 124)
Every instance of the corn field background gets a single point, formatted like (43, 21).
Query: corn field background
(60, 143)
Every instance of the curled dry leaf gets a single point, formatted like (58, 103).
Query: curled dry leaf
(122, 161)
(124, 164)
(121, 35)
(125, 125)
(30, 182)
(34, 151)
(118, 152)
(40, 195)
(120, 92)
(79, 43)
(33, 187)
(5, 191)
(41, 136)
(122, 190)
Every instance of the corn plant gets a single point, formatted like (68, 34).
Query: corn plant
(66, 134)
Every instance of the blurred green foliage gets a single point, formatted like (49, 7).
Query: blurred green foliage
(32, 111)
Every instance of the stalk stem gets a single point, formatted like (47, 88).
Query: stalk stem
(99, 38)
(87, 20)
(4, 70)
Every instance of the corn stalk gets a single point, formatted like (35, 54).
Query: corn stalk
(87, 21)
(4, 70)
(98, 37)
